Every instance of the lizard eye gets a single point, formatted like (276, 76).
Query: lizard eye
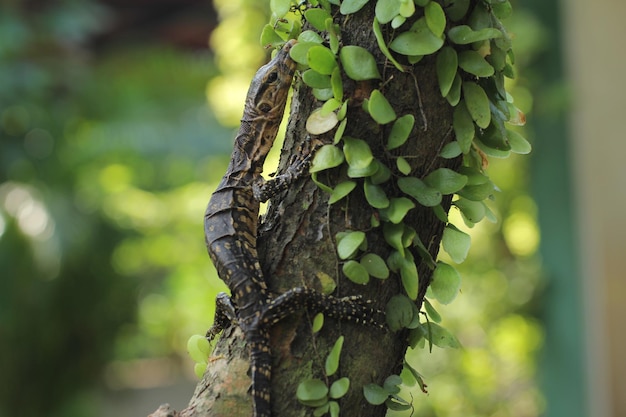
(273, 76)
(264, 107)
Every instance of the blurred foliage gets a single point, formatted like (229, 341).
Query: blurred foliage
(106, 164)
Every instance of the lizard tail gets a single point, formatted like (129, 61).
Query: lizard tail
(261, 372)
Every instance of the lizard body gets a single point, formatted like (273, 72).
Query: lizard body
(231, 221)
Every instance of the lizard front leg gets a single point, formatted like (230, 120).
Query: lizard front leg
(225, 315)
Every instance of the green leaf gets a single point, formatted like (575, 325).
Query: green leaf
(417, 41)
(391, 384)
(477, 103)
(441, 337)
(451, 150)
(359, 157)
(314, 79)
(198, 348)
(332, 360)
(341, 190)
(410, 279)
(432, 313)
(375, 195)
(457, 10)
(400, 131)
(333, 408)
(323, 94)
(398, 21)
(326, 157)
(380, 109)
(321, 59)
(339, 388)
(375, 394)
(320, 411)
(299, 52)
(310, 37)
(399, 312)
(416, 188)
(317, 18)
(407, 8)
(270, 37)
(446, 180)
(358, 63)
(393, 236)
(446, 283)
(518, 143)
(349, 244)
(351, 6)
(403, 166)
(318, 322)
(280, 7)
(447, 63)
(477, 192)
(386, 10)
(375, 266)
(474, 211)
(356, 272)
(397, 210)
(456, 243)
(311, 390)
(337, 84)
(383, 46)
(472, 62)
(463, 125)
(454, 96)
(320, 122)
(435, 18)
(463, 34)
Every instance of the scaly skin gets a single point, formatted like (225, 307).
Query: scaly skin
(231, 221)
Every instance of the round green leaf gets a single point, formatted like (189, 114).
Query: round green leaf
(332, 360)
(446, 283)
(380, 109)
(351, 6)
(403, 166)
(398, 21)
(407, 8)
(280, 7)
(386, 10)
(474, 211)
(270, 37)
(317, 18)
(463, 125)
(314, 79)
(416, 188)
(457, 10)
(417, 41)
(323, 94)
(318, 322)
(447, 63)
(320, 122)
(320, 411)
(321, 59)
(326, 157)
(399, 312)
(454, 96)
(463, 34)
(400, 131)
(199, 368)
(349, 244)
(456, 243)
(310, 36)
(375, 394)
(446, 180)
(358, 154)
(311, 390)
(300, 50)
(198, 348)
(339, 388)
(477, 192)
(382, 174)
(333, 408)
(356, 272)
(375, 195)
(375, 266)
(397, 210)
(341, 190)
(358, 63)
(518, 143)
(451, 150)
(477, 103)
(435, 18)
(472, 62)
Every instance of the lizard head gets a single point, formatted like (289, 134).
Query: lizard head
(269, 88)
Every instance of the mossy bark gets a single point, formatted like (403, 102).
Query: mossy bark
(297, 245)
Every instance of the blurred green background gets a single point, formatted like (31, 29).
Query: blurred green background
(116, 122)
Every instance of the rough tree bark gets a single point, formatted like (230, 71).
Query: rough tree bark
(297, 246)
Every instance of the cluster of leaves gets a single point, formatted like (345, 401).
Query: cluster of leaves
(473, 58)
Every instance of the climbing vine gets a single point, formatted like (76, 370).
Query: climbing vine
(473, 57)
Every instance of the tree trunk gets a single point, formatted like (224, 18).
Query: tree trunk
(297, 246)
